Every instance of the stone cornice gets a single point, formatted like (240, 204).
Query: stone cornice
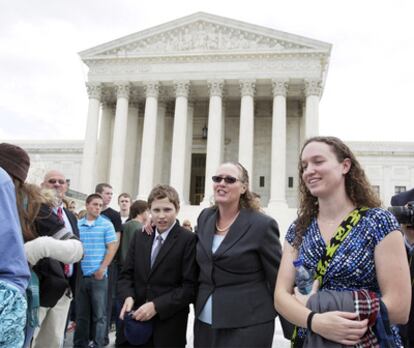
(279, 87)
(207, 56)
(94, 90)
(182, 88)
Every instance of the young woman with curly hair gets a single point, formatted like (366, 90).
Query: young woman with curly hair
(371, 257)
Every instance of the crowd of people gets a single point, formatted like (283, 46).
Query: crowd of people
(138, 270)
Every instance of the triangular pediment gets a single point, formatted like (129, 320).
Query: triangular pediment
(203, 33)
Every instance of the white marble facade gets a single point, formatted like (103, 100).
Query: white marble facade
(168, 104)
(255, 91)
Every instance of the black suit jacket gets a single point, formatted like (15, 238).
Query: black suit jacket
(170, 283)
(241, 274)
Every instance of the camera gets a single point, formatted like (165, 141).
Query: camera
(404, 214)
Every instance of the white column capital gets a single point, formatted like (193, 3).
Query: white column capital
(94, 90)
(313, 87)
(182, 88)
(216, 87)
(151, 89)
(248, 87)
(122, 89)
(279, 87)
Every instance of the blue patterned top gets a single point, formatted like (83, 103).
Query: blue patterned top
(353, 264)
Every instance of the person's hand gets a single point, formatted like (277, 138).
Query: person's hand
(304, 298)
(99, 274)
(145, 312)
(340, 327)
(127, 307)
(148, 227)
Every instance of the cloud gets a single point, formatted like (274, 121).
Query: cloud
(368, 90)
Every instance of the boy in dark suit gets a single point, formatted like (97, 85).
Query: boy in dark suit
(158, 280)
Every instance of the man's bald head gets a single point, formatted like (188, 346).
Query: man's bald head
(55, 180)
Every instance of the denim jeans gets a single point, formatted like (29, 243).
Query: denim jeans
(91, 298)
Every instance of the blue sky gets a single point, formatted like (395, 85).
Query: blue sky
(369, 89)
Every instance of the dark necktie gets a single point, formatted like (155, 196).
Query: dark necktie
(158, 245)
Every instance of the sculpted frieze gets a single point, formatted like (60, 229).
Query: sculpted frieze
(204, 36)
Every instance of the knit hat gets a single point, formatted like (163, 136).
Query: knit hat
(137, 332)
(14, 160)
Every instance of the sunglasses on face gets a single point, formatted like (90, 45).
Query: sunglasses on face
(227, 179)
(54, 181)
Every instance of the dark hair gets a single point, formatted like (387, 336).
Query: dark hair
(137, 208)
(100, 187)
(124, 194)
(93, 196)
(164, 191)
(247, 199)
(357, 186)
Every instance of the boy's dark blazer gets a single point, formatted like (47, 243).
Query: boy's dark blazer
(170, 283)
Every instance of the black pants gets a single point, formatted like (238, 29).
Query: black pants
(260, 335)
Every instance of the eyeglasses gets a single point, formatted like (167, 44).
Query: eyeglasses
(227, 179)
(54, 181)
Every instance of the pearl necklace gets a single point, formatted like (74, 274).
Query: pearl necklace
(225, 229)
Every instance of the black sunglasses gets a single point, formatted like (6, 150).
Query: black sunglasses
(227, 179)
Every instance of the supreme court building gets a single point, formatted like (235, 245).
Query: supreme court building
(170, 103)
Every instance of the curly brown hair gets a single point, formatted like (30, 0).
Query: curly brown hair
(357, 186)
(247, 199)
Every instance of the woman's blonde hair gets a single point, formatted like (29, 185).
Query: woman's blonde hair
(357, 186)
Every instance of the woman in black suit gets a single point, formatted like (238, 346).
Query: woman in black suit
(238, 253)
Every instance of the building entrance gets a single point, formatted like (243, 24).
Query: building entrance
(198, 176)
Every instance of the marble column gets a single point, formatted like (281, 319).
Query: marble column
(246, 130)
(160, 149)
(278, 150)
(116, 171)
(214, 139)
(189, 151)
(313, 92)
(179, 148)
(130, 163)
(104, 142)
(87, 178)
(146, 175)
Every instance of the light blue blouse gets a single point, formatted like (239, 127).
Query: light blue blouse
(206, 313)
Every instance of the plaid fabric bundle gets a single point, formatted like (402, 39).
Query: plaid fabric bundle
(367, 305)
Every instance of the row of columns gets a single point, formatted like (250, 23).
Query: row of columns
(182, 136)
